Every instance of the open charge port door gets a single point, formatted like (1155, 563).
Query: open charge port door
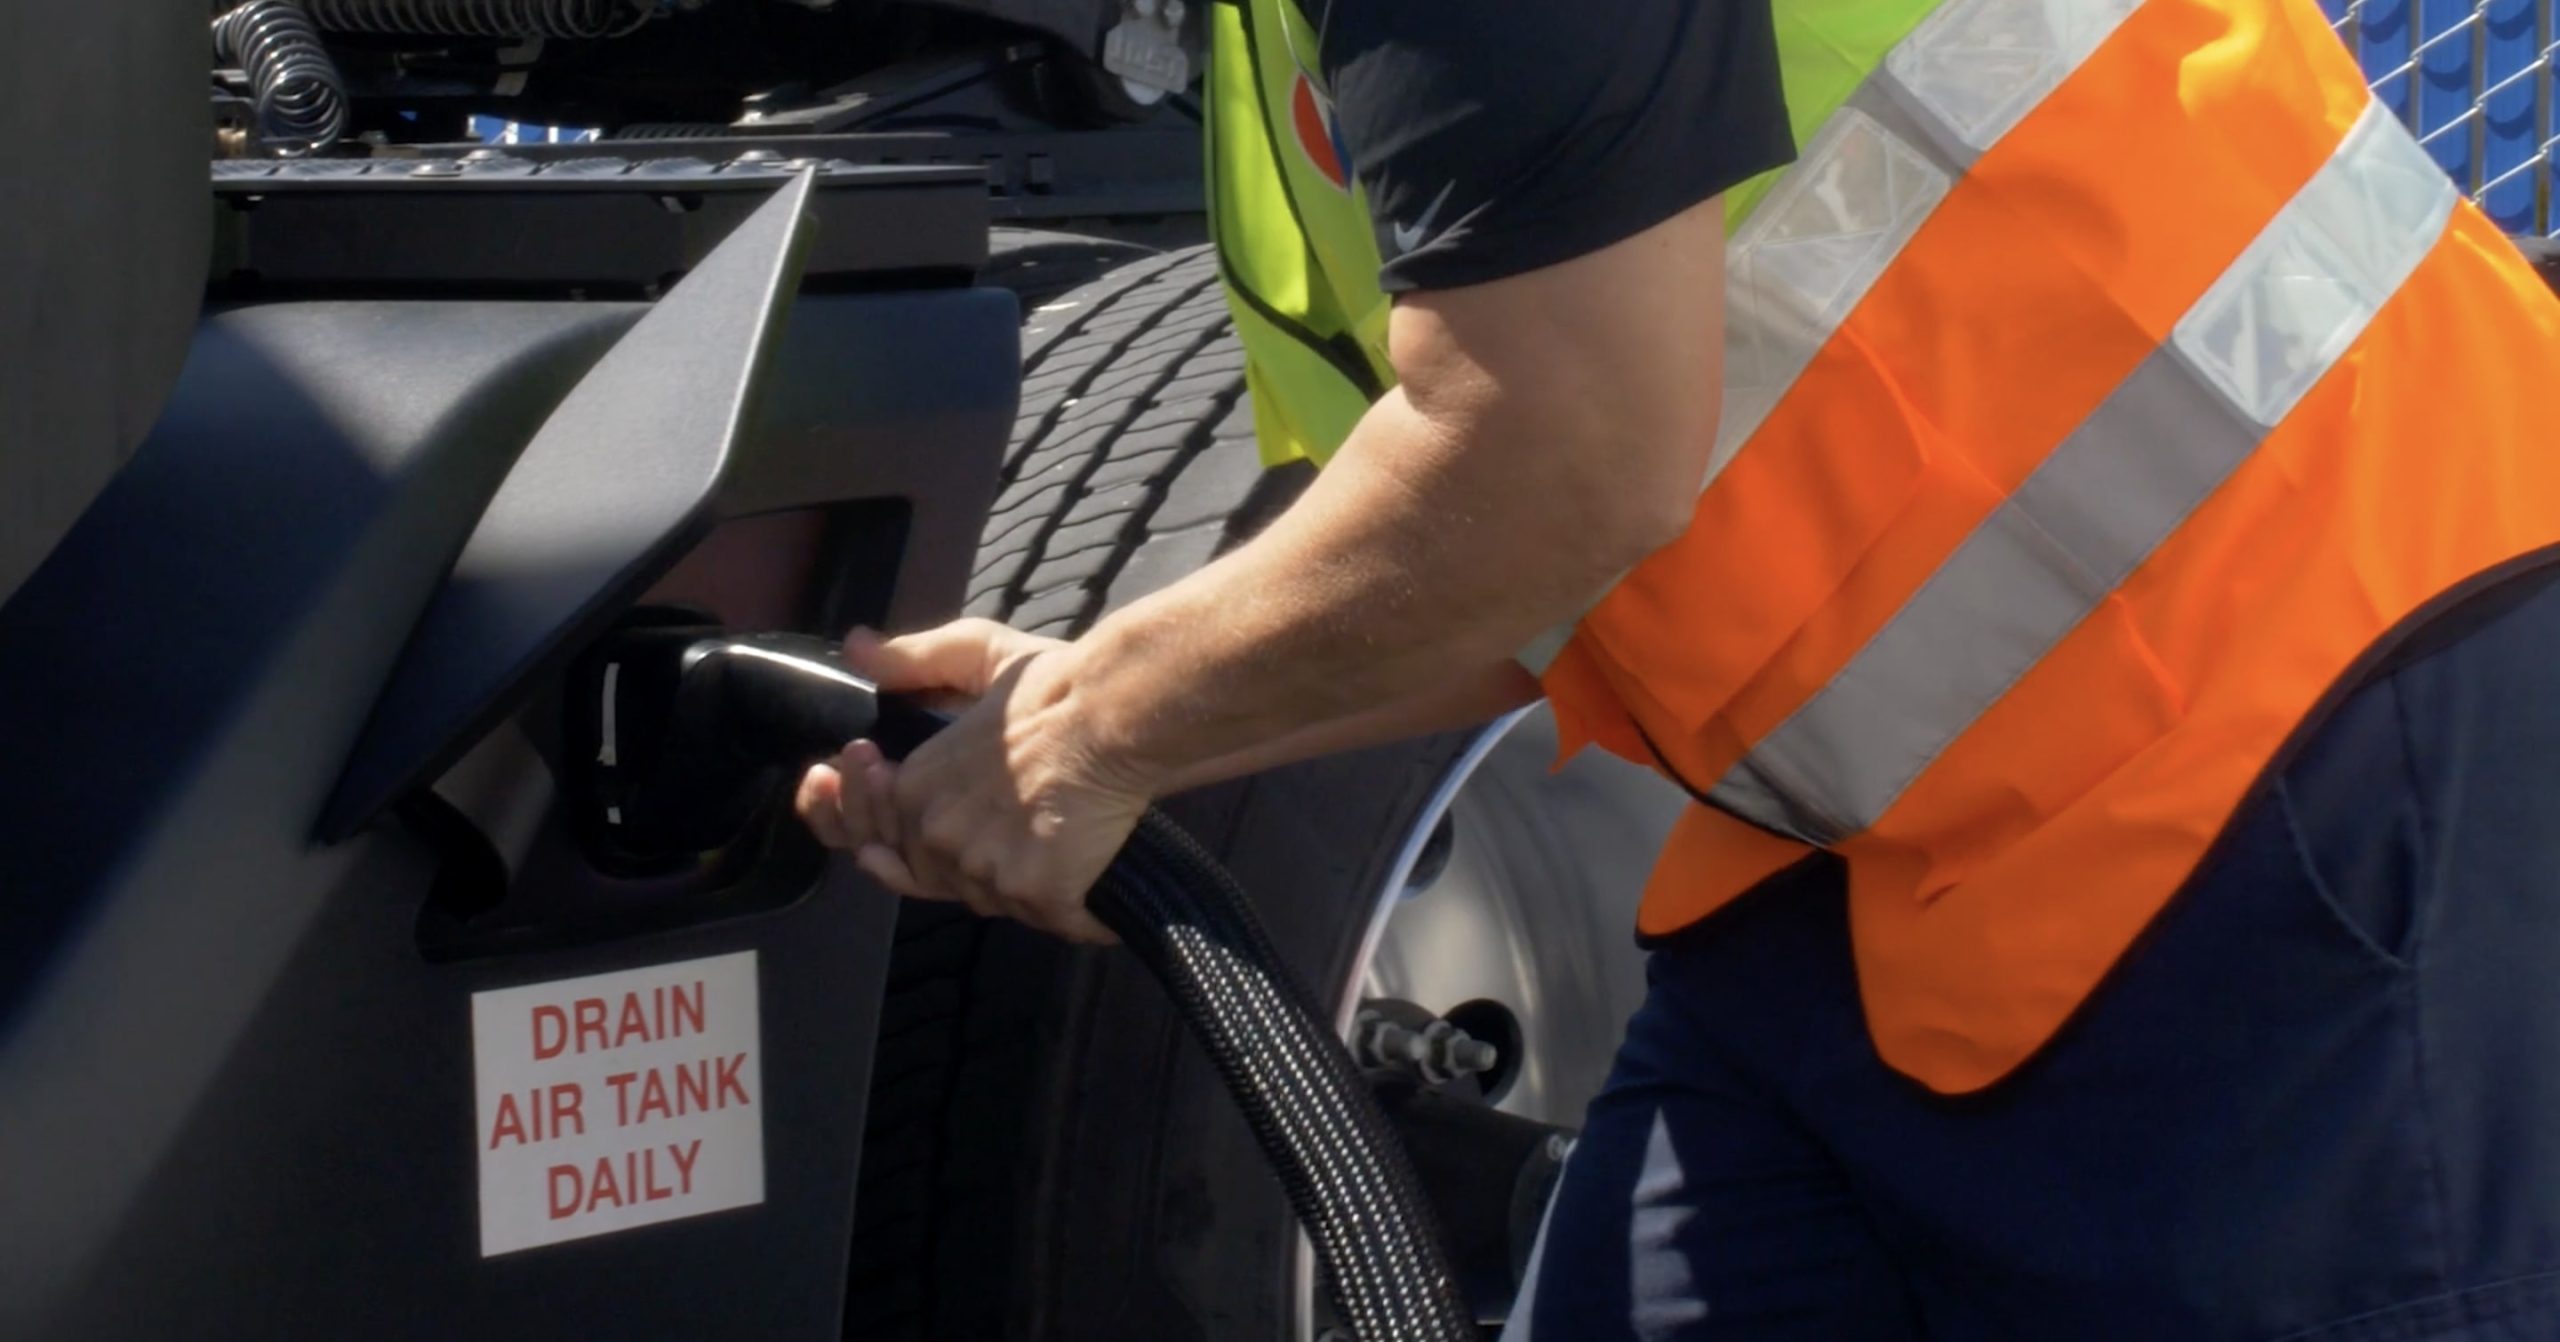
(347, 1033)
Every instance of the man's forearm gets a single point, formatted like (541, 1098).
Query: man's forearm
(1548, 431)
(1478, 698)
(1400, 587)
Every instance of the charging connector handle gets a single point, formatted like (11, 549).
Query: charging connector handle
(789, 699)
(694, 733)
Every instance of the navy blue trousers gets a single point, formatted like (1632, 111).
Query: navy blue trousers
(2319, 1100)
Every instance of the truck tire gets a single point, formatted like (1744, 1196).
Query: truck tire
(1039, 264)
(1048, 1155)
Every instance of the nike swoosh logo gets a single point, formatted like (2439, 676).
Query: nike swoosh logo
(1410, 236)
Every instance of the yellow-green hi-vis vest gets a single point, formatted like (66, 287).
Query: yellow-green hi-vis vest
(1294, 244)
(1299, 258)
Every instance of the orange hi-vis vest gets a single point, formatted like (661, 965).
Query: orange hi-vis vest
(2104, 383)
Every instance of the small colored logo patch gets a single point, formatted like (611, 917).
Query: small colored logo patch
(1317, 138)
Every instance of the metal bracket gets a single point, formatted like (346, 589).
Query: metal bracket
(1145, 48)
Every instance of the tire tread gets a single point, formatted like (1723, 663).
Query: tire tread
(1132, 464)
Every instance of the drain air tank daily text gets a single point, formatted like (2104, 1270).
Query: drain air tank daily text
(617, 1100)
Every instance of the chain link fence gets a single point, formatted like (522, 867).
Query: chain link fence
(2473, 79)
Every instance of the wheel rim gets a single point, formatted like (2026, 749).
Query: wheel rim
(1534, 909)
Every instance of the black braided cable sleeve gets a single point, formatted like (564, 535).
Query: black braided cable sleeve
(1343, 1166)
(788, 698)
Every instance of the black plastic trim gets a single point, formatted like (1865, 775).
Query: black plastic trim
(500, 222)
(617, 484)
(1028, 174)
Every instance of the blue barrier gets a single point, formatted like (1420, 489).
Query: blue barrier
(2473, 79)
(497, 130)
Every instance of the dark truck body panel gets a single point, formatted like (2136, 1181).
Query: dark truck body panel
(236, 1036)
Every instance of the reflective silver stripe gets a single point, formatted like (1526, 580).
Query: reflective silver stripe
(1959, 80)
(1980, 66)
(1964, 76)
(2306, 287)
(2277, 320)
(1815, 246)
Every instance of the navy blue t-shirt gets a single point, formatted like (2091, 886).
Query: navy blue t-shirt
(1494, 137)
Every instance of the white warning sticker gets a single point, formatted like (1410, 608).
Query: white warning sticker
(617, 1100)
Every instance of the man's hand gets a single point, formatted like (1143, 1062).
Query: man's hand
(1011, 810)
(977, 771)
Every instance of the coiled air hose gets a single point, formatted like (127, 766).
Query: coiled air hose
(731, 715)
(300, 99)
(482, 18)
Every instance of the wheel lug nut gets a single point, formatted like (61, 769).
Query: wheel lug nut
(1467, 1056)
(1439, 1051)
